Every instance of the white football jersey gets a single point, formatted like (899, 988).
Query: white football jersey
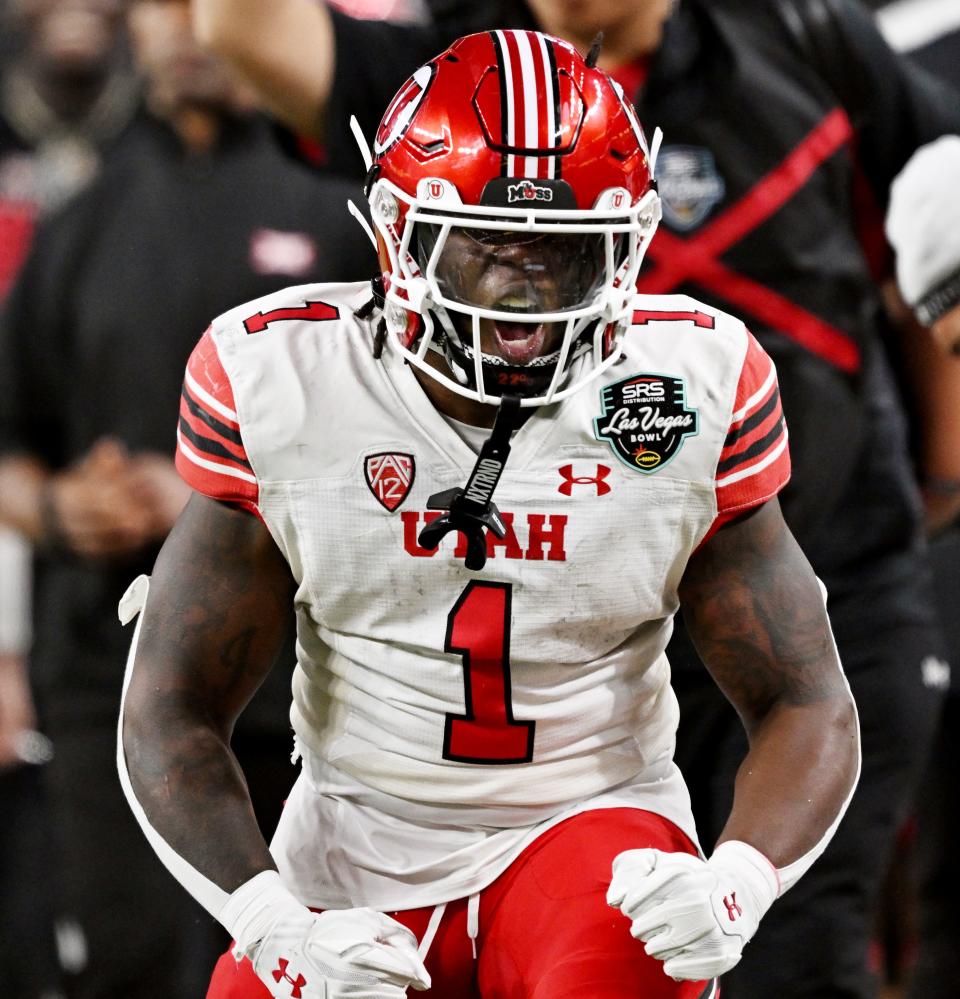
(445, 714)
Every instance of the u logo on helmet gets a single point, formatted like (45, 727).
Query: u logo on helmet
(402, 108)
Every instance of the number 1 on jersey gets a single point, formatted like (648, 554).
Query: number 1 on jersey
(478, 629)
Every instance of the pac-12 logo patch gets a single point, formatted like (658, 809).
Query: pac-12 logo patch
(389, 477)
(645, 420)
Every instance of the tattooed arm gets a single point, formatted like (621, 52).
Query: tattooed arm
(754, 611)
(220, 602)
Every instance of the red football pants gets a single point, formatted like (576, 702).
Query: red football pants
(545, 929)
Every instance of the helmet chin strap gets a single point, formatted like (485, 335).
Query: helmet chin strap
(471, 509)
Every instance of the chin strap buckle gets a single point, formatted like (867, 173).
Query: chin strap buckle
(471, 509)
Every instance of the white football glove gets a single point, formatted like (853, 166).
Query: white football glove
(694, 915)
(341, 953)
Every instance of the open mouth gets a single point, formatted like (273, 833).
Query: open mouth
(519, 342)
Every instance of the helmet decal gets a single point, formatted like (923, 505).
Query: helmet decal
(529, 103)
(631, 114)
(402, 108)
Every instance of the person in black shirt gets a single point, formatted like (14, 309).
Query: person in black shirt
(66, 93)
(785, 123)
(923, 224)
(195, 210)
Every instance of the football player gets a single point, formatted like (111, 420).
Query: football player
(486, 482)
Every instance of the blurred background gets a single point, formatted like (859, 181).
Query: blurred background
(145, 187)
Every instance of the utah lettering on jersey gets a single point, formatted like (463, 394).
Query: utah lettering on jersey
(540, 539)
(645, 420)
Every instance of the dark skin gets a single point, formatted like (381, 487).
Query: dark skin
(214, 621)
(488, 271)
(753, 608)
(219, 604)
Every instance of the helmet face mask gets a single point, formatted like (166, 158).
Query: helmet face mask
(536, 270)
(511, 270)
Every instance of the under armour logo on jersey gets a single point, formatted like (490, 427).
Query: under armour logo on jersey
(570, 480)
(389, 477)
(733, 906)
(281, 975)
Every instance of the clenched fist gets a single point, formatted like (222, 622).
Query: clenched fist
(694, 915)
(356, 953)
(338, 954)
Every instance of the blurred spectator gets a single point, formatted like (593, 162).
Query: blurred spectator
(785, 123)
(8, 42)
(928, 30)
(194, 210)
(27, 901)
(405, 11)
(65, 93)
(16, 709)
(921, 225)
(925, 222)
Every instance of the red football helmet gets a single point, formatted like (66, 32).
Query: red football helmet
(511, 181)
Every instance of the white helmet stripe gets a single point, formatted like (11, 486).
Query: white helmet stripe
(531, 106)
(631, 114)
(549, 107)
(509, 126)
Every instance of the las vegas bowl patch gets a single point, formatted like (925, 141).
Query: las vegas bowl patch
(645, 420)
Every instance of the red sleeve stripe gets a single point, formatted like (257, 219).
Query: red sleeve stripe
(761, 392)
(210, 454)
(757, 427)
(200, 393)
(754, 420)
(759, 466)
(221, 468)
(210, 446)
(759, 446)
(196, 412)
(205, 438)
(209, 434)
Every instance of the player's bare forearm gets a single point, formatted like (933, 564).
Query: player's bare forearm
(22, 478)
(933, 384)
(285, 49)
(220, 601)
(756, 616)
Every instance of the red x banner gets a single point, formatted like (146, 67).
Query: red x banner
(697, 259)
